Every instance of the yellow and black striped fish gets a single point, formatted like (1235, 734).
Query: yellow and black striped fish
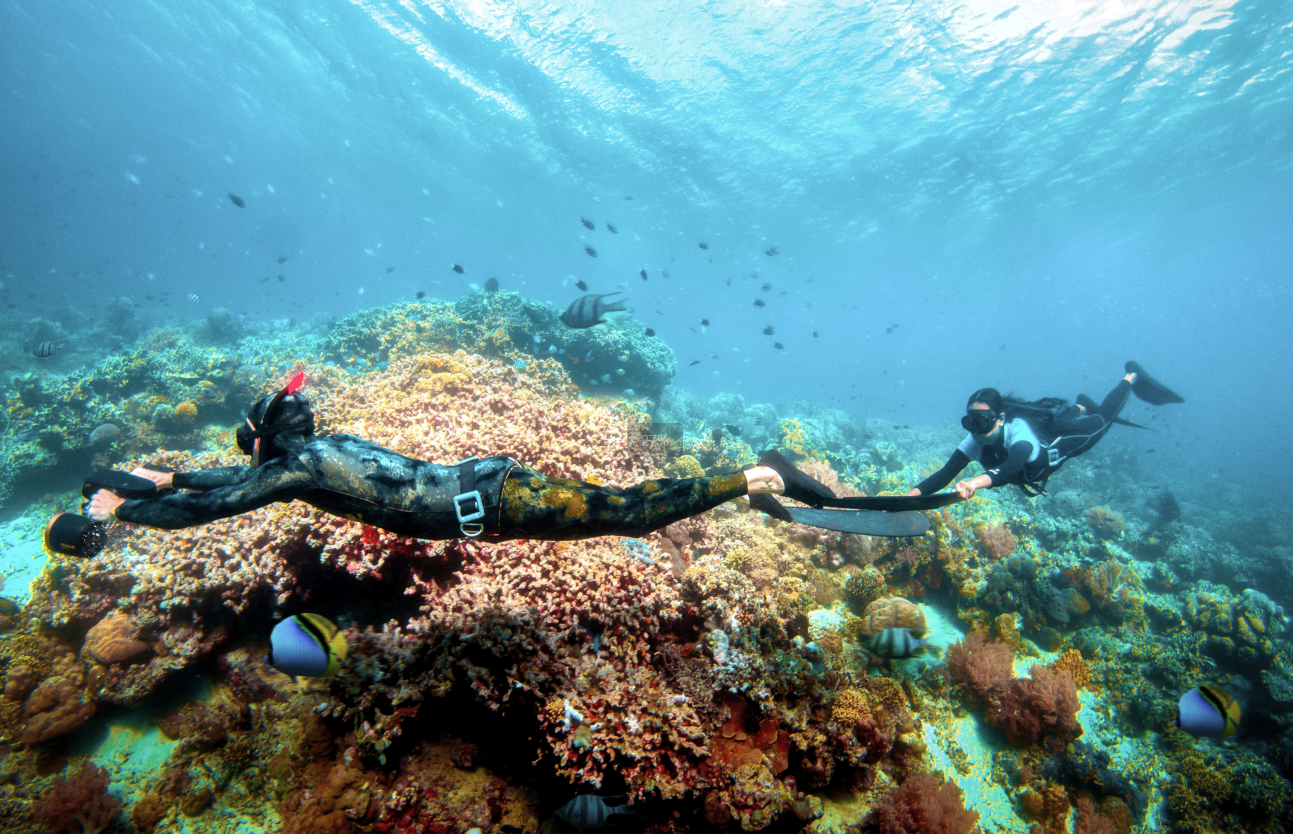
(307, 645)
(1209, 711)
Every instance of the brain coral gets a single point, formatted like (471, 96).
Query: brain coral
(891, 612)
(112, 640)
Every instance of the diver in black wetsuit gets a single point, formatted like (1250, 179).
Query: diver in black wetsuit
(1024, 443)
(496, 498)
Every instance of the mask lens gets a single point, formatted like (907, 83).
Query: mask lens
(978, 422)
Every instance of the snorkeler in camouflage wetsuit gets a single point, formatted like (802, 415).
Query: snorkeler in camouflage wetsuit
(496, 498)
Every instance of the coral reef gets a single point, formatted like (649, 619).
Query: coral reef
(713, 668)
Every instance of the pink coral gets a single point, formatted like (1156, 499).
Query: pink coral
(79, 805)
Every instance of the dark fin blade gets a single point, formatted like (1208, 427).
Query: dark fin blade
(799, 485)
(765, 503)
(1150, 390)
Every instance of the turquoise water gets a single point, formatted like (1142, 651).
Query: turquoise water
(923, 199)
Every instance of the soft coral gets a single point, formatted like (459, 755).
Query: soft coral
(80, 805)
(922, 804)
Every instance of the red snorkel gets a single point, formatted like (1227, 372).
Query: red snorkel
(296, 383)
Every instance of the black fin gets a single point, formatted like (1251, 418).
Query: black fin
(765, 503)
(1149, 389)
(1092, 406)
(799, 486)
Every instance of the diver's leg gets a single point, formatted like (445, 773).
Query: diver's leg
(535, 506)
(1116, 399)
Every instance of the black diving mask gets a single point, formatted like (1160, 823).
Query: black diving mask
(266, 428)
(980, 421)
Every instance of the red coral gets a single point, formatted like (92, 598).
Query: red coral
(985, 667)
(81, 804)
(921, 805)
(1045, 704)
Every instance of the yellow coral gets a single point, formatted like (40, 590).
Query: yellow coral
(686, 467)
(1073, 663)
(186, 410)
(850, 707)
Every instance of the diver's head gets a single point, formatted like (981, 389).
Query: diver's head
(277, 424)
(984, 416)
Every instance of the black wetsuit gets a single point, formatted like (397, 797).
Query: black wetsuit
(353, 478)
(1028, 450)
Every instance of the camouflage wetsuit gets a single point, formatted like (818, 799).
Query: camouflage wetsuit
(353, 478)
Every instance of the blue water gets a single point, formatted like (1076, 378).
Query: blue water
(960, 195)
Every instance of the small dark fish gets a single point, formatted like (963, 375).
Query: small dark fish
(612, 229)
(900, 643)
(778, 346)
(650, 332)
(491, 285)
(704, 245)
(767, 331)
(766, 287)
(280, 278)
(421, 294)
(814, 334)
(695, 362)
(458, 269)
(587, 310)
(282, 259)
(45, 349)
(704, 322)
(237, 201)
(759, 302)
(628, 196)
(263, 280)
(734, 430)
(888, 330)
(714, 356)
(591, 811)
(588, 224)
(389, 270)
(592, 253)
(582, 286)
(665, 273)
(770, 251)
(643, 274)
